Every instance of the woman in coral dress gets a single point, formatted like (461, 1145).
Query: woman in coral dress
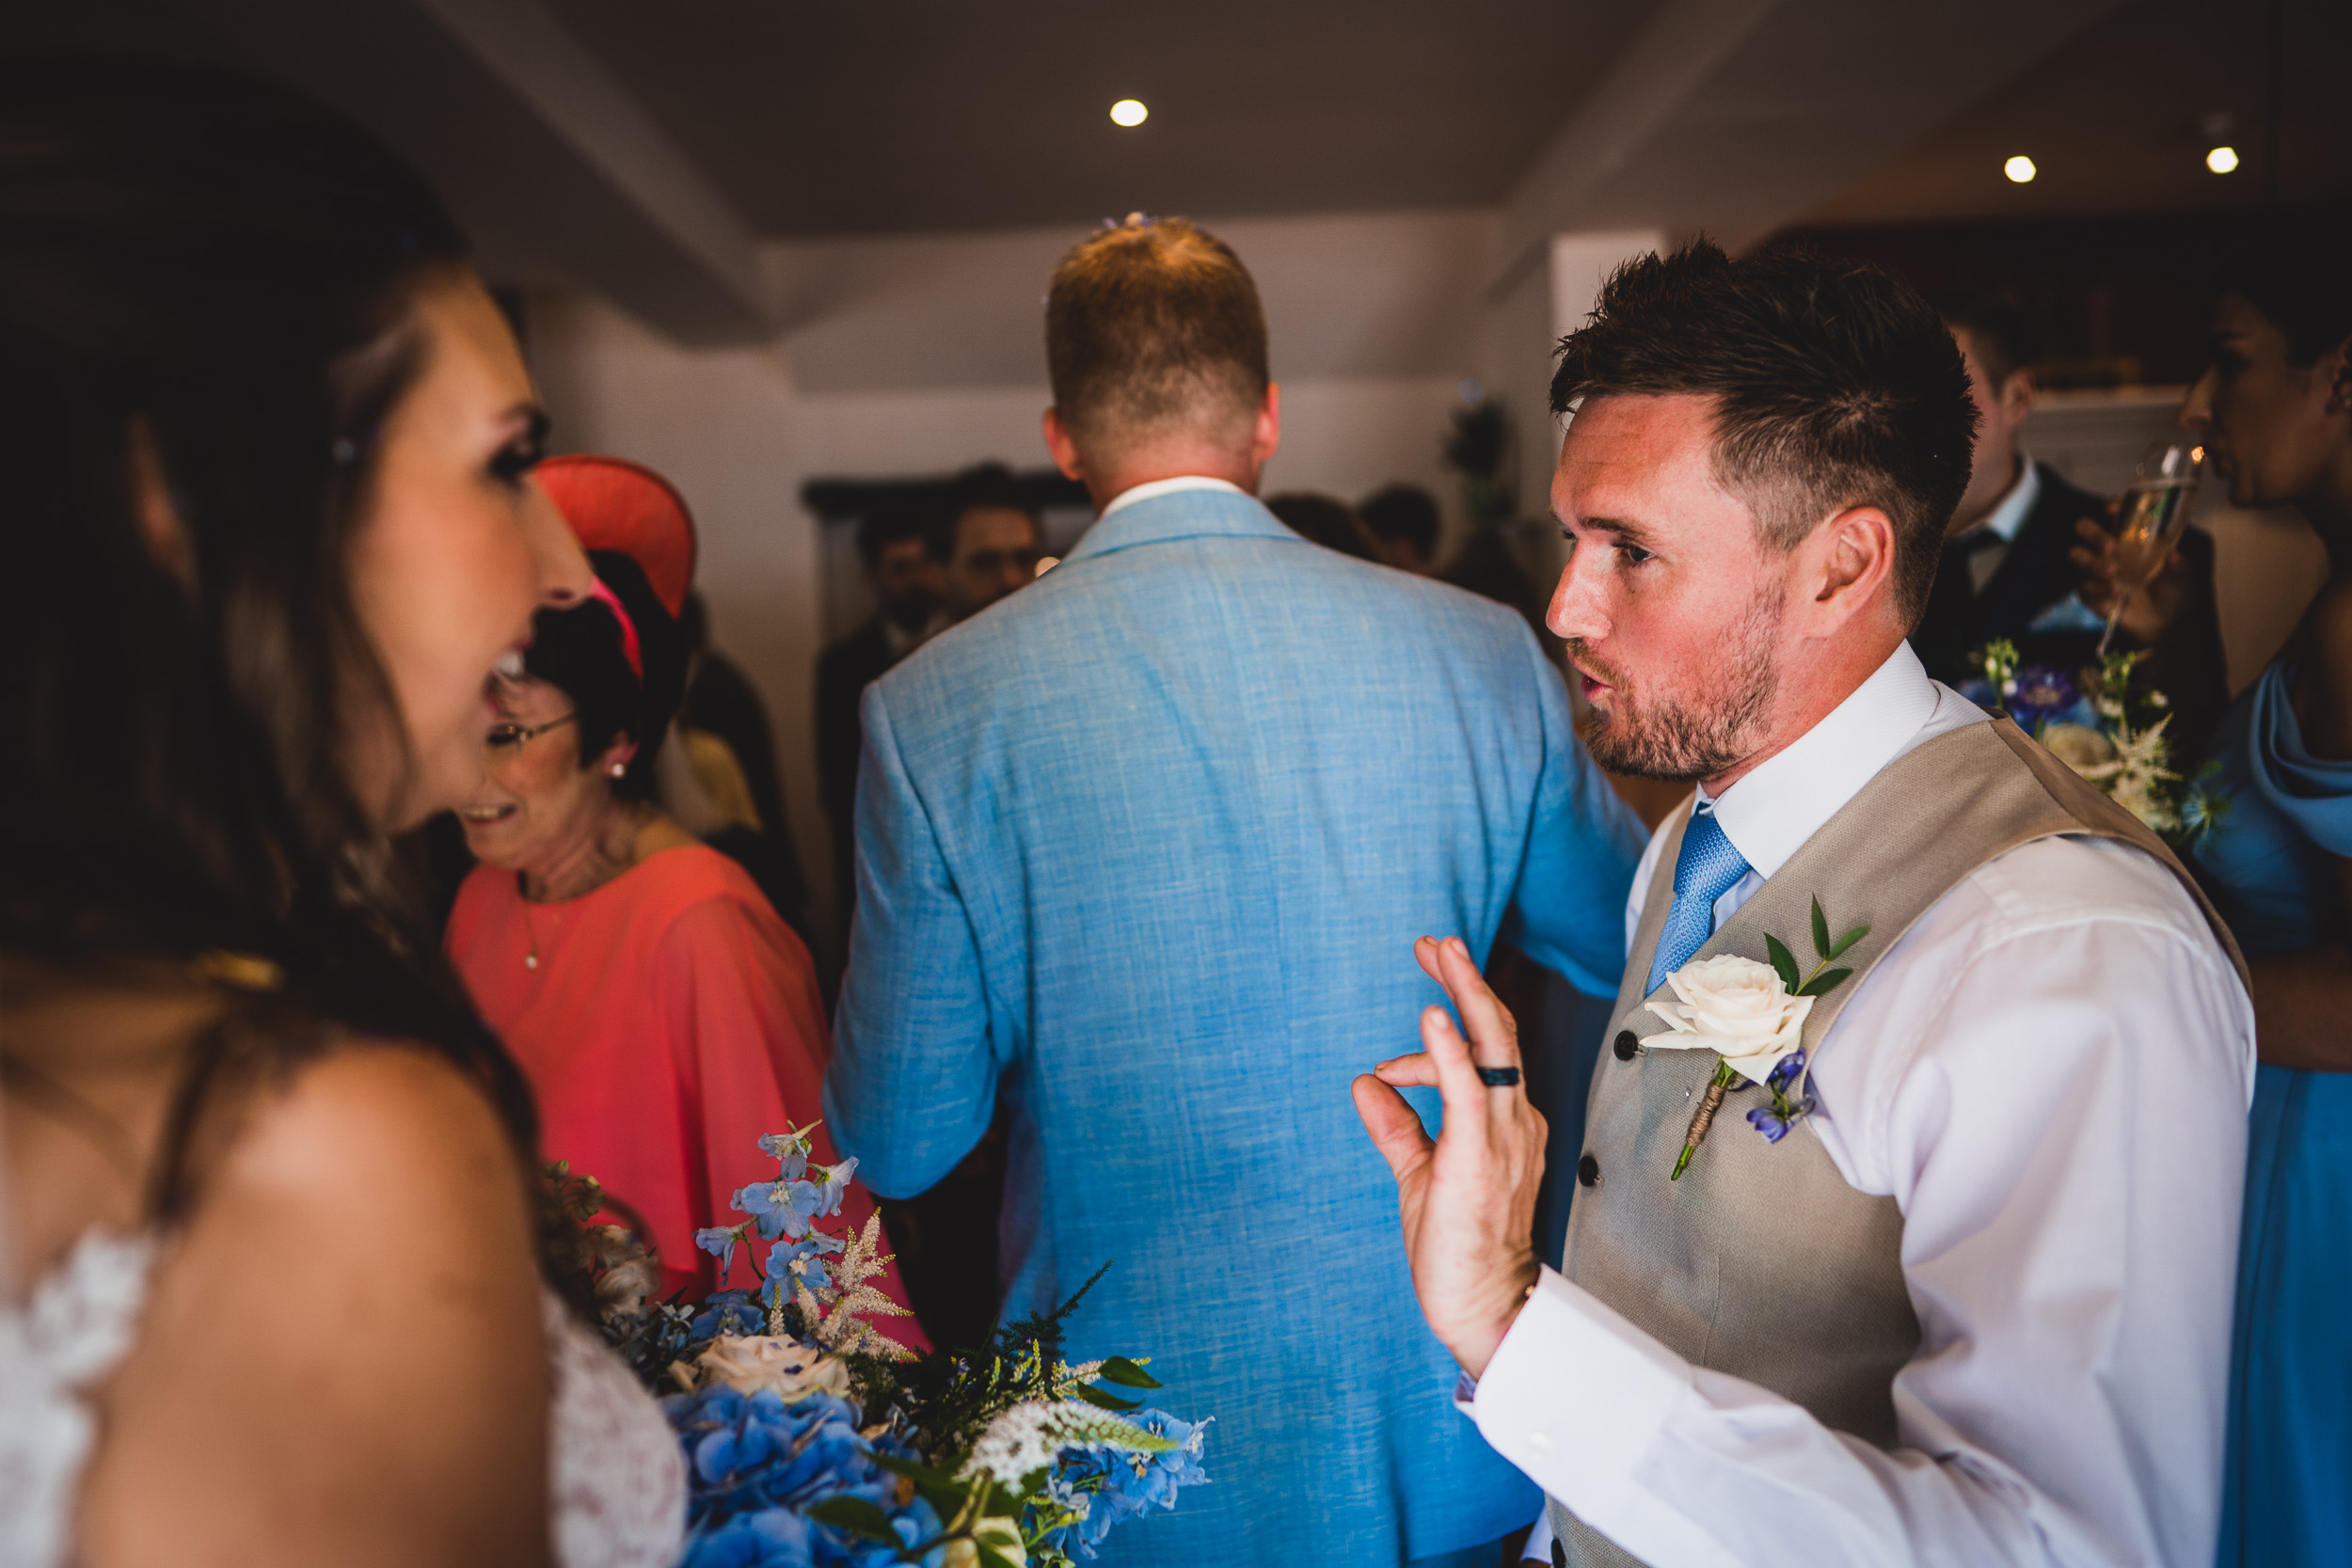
(666, 1017)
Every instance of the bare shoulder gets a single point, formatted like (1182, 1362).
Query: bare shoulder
(364, 1233)
(364, 1111)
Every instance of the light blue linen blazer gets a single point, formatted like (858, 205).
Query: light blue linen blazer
(1144, 848)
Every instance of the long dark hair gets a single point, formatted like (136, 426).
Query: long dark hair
(220, 274)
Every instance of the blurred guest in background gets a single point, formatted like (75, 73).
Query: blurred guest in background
(2009, 570)
(1325, 520)
(988, 541)
(666, 1017)
(895, 546)
(2275, 410)
(1140, 848)
(721, 708)
(1404, 523)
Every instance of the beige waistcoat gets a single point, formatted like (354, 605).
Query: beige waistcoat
(1761, 1262)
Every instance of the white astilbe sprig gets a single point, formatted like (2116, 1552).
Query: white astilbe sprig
(835, 1314)
(1029, 1437)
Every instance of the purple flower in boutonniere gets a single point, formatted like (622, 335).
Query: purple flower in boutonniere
(1752, 1015)
(1791, 1102)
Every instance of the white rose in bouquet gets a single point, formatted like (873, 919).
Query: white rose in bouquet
(751, 1363)
(1733, 1005)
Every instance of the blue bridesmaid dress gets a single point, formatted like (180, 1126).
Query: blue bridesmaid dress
(2287, 1502)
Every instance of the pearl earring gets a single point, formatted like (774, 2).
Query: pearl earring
(620, 770)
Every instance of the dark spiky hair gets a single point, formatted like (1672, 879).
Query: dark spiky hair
(1835, 384)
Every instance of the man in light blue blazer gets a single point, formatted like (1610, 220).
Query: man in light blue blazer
(1143, 850)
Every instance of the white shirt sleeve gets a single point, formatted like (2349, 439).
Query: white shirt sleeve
(2050, 1074)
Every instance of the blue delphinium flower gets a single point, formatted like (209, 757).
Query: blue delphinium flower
(779, 1208)
(1104, 1485)
(720, 1242)
(729, 1312)
(789, 1150)
(803, 1262)
(1786, 1109)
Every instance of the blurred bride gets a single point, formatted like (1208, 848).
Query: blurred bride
(275, 1284)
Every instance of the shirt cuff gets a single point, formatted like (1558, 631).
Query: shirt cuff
(1575, 1397)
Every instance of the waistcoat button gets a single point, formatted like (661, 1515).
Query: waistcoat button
(1627, 1045)
(1588, 1171)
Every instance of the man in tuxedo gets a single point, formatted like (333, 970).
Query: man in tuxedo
(895, 546)
(1131, 845)
(2014, 553)
(1953, 1282)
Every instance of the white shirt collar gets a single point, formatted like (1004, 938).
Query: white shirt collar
(2008, 513)
(1769, 814)
(1168, 488)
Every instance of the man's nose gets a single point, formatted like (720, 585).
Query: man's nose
(1575, 611)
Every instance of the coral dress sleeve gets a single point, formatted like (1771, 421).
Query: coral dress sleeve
(746, 1025)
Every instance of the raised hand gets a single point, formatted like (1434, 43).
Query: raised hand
(1468, 1199)
(2150, 610)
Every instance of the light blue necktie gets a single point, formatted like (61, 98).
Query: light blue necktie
(1707, 868)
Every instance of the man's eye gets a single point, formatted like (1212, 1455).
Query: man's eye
(1634, 555)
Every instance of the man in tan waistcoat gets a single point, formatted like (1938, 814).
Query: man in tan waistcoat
(1932, 1260)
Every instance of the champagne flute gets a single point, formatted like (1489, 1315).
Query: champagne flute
(2155, 510)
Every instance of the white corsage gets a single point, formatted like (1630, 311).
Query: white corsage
(1735, 1006)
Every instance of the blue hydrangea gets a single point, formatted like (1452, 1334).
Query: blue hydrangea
(755, 1465)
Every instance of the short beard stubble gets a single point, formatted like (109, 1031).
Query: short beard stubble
(1683, 742)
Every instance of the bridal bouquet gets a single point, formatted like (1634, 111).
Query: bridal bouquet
(813, 1439)
(2111, 729)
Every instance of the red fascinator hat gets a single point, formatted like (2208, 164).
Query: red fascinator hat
(613, 504)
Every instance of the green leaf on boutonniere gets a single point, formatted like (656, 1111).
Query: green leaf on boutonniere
(1838, 950)
(1783, 963)
(1821, 932)
(1828, 980)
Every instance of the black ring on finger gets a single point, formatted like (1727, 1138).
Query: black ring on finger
(1498, 1077)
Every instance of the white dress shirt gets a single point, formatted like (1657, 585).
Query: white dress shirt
(1168, 488)
(2050, 1074)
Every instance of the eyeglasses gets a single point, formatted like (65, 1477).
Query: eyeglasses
(510, 738)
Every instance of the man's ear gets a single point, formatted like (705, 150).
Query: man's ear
(161, 529)
(1857, 564)
(1265, 432)
(2017, 394)
(2336, 366)
(1065, 451)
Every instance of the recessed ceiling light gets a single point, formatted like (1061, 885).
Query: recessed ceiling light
(2020, 169)
(1129, 111)
(2221, 160)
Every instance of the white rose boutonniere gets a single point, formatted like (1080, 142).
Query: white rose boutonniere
(1751, 1015)
(1734, 1005)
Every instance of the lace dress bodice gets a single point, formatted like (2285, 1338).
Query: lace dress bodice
(617, 1482)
